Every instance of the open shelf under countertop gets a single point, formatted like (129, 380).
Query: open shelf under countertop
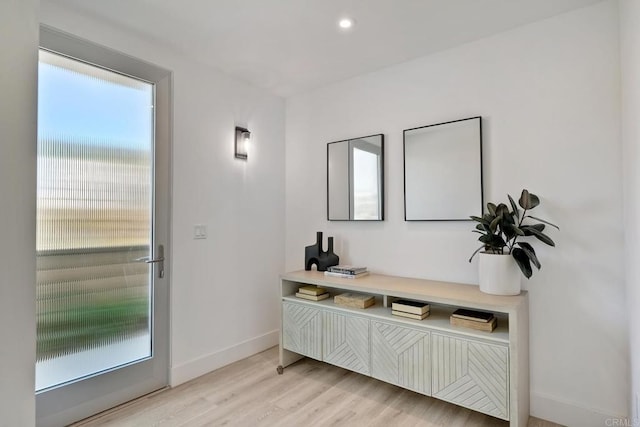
(438, 319)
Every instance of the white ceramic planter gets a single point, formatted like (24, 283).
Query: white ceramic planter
(499, 274)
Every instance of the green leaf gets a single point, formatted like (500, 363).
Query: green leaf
(527, 229)
(528, 200)
(531, 254)
(511, 231)
(493, 241)
(502, 211)
(509, 219)
(476, 251)
(497, 242)
(542, 237)
(518, 231)
(494, 224)
(516, 211)
(523, 262)
(542, 220)
(533, 200)
(480, 220)
(508, 231)
(491, 208)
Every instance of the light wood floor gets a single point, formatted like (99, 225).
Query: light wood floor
(309, 393)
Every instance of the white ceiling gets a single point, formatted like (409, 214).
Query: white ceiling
(289, 46)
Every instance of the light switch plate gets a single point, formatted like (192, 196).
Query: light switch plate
(199, 231)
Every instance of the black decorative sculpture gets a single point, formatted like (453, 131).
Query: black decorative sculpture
(315, 255)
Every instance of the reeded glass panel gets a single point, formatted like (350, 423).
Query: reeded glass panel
(94, 220)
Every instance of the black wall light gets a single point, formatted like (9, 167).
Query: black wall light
(242, 142)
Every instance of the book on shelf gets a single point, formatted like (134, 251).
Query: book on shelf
(313, 297)
(487, 326)
(344, 275)
(410, 315)
(312, 290)
(409, 306)
(474, 315)
(352, 300)
(347, 269)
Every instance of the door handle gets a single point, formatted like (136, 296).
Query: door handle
(149, 261)
(159, 260)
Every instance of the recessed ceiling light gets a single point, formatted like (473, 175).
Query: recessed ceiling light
(346, 23)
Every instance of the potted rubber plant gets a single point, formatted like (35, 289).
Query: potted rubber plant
(504, 253)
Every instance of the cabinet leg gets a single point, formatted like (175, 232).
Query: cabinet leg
(280, 369)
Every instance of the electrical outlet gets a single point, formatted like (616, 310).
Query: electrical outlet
(199, 231)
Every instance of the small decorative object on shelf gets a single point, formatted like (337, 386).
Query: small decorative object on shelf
(477, 316)
(479, 326)
(500, 228)
(411, 309)
(314, 254)
(410, 315)
(346, 271)
(354, 300)
(312, 290)
(345, 275)
(312, 293)
(478, 320)
(312, 297)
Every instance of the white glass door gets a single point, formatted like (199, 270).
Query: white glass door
(102, 293)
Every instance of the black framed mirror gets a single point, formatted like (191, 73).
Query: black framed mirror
(355, 179)
(443, 171)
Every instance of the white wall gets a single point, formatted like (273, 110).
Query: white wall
(224, 300)
(630, 60)
(549, 96)
(18, 115)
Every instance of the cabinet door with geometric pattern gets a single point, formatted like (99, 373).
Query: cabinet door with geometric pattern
(346, 341)
(302, 329)
(400, 356)
(471, 374)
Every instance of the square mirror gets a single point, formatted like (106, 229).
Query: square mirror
(443, 171)
(355, 179)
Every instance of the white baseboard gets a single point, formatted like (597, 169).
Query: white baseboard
(562, 411)
(202, 365)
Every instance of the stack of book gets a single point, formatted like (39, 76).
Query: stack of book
(411, 309)
(353, 300)
(473, 319)
(313, 293)
(346, 271)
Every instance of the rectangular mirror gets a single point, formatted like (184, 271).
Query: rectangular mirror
(355, 179)
(443, 171)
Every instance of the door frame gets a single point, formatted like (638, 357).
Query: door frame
(89, 396)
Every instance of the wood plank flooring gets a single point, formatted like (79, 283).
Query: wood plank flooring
(309, 393)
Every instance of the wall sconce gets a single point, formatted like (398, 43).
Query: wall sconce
(242, 142)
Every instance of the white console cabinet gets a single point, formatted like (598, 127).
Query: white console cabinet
(484, 371)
